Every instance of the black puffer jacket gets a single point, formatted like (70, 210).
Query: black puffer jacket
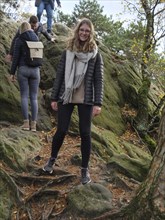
(93, 81)
(19, 50)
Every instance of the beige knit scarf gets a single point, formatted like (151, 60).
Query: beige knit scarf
(75, 68)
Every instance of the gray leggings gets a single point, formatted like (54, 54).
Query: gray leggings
(29, 78)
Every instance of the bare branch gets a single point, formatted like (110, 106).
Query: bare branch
(134, 6)
(159, 12)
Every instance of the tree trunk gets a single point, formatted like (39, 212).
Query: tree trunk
(141, 120)
(155, 119)
(150, 199)
(142, 115)
(149, 202)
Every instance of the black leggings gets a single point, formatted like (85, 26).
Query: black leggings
(64, 116)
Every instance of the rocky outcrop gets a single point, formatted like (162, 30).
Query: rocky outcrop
(121, 155)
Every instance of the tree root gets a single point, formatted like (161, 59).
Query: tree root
(36, 193)
(48, 214)
(30, 192)
(26, 210)
(42, 179)
(18, 194)
(114, 215)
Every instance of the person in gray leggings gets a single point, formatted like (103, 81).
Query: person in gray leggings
(28, 77)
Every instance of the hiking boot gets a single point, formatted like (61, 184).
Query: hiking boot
(49, 165)
(85, 176)
(33, 126)
(50, 32)
(25, 125)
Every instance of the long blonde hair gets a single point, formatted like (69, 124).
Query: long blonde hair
(24, 27)
(74, 43)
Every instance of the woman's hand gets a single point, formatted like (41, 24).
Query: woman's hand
(8, 58)
(54, 106)
(96, 110)
(12, 78)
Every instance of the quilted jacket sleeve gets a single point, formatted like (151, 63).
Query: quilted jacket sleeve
(59, 79)
(13, 42)
(98, 81)
(16, 56)
(43, 31)
(58, 3)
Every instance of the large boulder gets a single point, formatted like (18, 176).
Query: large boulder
(89, 201)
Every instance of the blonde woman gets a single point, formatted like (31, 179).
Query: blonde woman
(79, 82)
(28, 77)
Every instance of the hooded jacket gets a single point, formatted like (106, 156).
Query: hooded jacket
(19, 50)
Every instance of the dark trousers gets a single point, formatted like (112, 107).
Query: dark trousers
(64, 116)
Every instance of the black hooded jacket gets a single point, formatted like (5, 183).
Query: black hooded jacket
(19, 50)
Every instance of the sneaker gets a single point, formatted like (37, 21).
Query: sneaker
(49, 165)
(85, 176)
(25, 125)
(33, 126)
(50, 32)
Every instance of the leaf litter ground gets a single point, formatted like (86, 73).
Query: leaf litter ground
(44, 196)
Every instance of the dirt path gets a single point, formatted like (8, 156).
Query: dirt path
(44, 196)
